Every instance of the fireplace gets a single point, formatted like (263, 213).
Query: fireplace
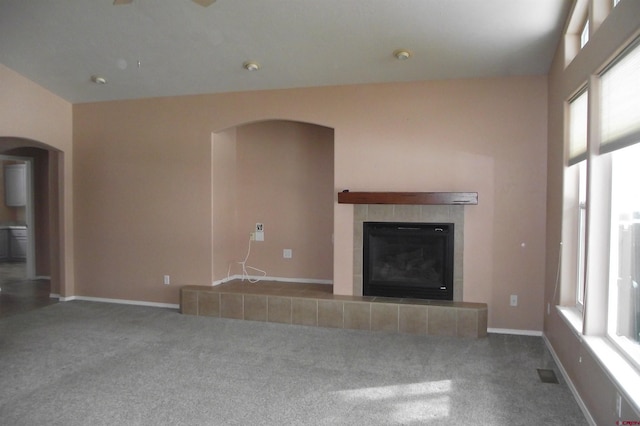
(408, 260)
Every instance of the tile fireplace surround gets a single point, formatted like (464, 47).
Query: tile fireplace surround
(409, 213)
(316, 305)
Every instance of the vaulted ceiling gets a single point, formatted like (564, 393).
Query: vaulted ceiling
(155, 48)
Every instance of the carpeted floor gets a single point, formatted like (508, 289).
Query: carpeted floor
(83, 363)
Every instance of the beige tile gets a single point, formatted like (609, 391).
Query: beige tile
(406, 213)
(330, 313)
(189, 302)
(360, 212)
(380, 212)
(279, 309)
(467, 323)
(209, 304)
(384, 317)
(255, 307)
(413, 319)
(231, 306)
(357, 235)
(304, 311)
(357, 260)
(357, 316)
(441, 321)
(357, 284)
(435, 213)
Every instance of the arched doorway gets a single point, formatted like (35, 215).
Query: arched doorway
(38, 220)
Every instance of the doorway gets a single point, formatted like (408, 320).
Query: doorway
(30, 261)
(17, 251)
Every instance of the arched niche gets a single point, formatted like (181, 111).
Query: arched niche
(280, 173)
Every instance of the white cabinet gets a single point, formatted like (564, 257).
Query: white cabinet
(15, 185)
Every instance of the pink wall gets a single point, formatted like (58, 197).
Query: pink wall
(144, 180)
(33, 116)
(224, 207)
(285, 181)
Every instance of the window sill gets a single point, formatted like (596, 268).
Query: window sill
(615, 365)
(573, 317)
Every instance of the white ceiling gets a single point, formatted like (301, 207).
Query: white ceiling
(183, 48)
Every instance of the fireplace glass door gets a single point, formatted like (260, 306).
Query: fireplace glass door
(408, 260)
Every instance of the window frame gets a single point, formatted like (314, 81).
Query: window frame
(584, 34)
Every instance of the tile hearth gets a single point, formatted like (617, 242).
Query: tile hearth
(316, 305)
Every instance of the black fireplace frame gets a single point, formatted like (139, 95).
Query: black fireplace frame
(441, 231)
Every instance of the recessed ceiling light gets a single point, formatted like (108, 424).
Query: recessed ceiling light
(98, 80)
(251, 66)
(402, 54)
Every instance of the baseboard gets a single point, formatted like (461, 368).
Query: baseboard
(54, 296)
(279, 279)
(42, 277)
(515, 331)
(120, 301)
(570, 384)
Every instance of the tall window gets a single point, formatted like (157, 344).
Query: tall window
(624, 293)
(620, 136)
(578, 201)
(582, 233)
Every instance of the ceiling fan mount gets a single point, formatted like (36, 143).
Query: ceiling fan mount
(203, 3)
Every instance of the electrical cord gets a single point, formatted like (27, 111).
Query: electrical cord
(245, 273)
(555, 290)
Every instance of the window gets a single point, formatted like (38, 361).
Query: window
(577, 195)
(620, 103)
(620, 136)
(578, 128)
(584, 34)
(623, 325)
(582, 233)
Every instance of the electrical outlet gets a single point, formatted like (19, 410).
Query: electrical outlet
(252, 236)
(287, 253)
(259, 234)
(514, 300)
(167, 280)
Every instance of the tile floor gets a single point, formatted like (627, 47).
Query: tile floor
(17, 294)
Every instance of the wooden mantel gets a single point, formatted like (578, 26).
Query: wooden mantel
(423, 198)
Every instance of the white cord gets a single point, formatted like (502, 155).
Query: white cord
(245, 267)
(555, 290)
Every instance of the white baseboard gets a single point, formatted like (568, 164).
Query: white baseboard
(42, 277)
(120, 301)
(279, 279)
(515, 331)
(570, 384)
(54, 296)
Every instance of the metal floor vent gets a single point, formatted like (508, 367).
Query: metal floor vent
(547, 376)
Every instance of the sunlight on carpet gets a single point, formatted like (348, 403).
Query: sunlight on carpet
(410, 402)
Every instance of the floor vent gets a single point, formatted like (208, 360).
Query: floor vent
(547, 376)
